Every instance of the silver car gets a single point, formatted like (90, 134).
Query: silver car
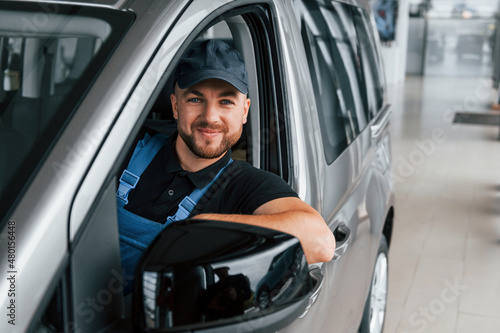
(80, 80)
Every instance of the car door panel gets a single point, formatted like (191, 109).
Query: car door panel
(350, 195)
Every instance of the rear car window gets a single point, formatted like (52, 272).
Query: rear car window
(370, 62)
(49, 56)
(333, 52)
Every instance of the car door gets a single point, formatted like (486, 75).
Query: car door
(349, 191)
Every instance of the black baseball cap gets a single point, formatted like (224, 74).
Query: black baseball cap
(212, 59)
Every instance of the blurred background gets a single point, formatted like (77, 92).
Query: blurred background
(439, 37)
(442, 62)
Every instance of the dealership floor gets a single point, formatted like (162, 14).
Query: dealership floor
(444, 273)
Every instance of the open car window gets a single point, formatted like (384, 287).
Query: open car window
(263, 141)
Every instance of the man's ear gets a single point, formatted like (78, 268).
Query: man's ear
(246, 108)
(173, 100)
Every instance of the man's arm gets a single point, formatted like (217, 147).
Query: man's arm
(292, 216)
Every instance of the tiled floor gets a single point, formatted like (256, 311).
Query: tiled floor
(445, 257)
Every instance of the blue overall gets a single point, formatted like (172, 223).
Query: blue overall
(136, 232)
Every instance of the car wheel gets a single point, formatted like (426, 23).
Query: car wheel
(374, 313)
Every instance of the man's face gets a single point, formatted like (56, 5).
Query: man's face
(210, 116)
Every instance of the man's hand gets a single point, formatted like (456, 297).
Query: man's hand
(292, 216)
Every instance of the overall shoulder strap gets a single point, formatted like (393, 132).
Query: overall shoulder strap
(144, 153)
(187, 204)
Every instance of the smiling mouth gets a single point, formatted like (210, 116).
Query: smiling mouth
(208, 132)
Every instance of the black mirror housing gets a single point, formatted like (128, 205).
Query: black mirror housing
(210, 276)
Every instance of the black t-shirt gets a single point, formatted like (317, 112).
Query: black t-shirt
(240, 189)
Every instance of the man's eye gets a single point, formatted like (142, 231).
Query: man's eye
(227, 102)
(194, 100)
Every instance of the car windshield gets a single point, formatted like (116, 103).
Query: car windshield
(49, 56)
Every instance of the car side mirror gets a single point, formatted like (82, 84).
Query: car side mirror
(203, 275)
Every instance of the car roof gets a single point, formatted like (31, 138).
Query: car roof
(121, 4)
(115, 4)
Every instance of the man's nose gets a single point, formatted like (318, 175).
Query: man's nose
(211, 113)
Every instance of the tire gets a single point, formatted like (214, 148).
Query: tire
(376, 303)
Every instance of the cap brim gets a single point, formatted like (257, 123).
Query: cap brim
(192, 78)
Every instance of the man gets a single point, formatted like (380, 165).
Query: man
(210, 105)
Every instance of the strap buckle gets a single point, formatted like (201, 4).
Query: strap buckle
(128, 181)
(186, 206)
